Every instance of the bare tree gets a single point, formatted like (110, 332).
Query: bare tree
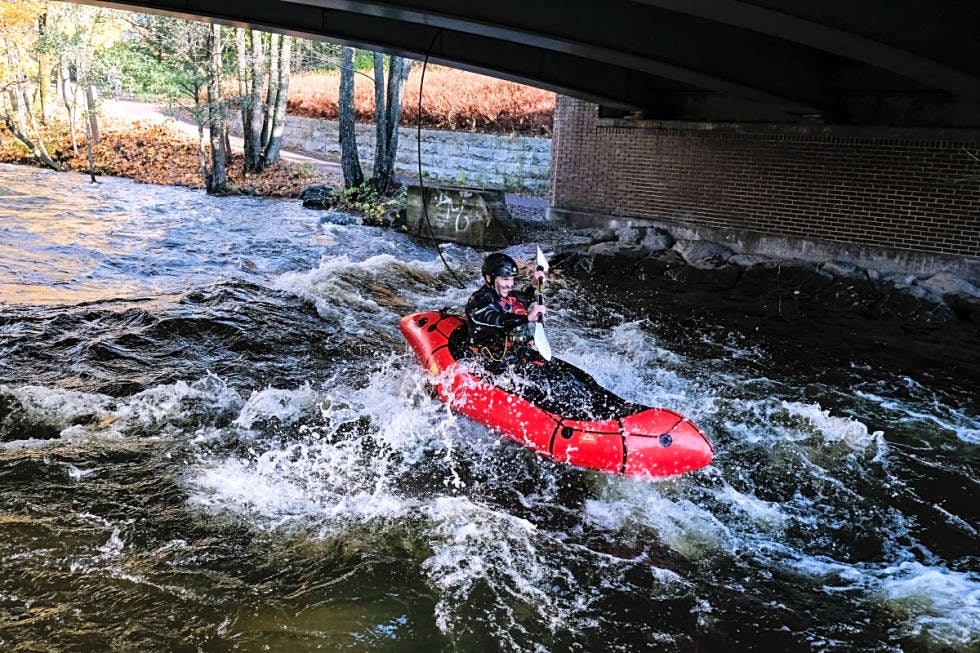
(276, 115)
(17, 114)
(349, 159)
(387, 111)
(217, 178)
(250, 63)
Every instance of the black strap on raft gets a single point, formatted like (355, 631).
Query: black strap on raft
(418, 140)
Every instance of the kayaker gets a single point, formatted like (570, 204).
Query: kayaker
(499, 331)
(499, 315)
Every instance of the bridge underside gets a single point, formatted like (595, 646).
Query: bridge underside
(878, 62)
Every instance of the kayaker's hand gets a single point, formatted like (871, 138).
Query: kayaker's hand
(539, 278)
(536, 312)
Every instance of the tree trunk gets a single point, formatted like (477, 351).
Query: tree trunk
(93, 118)
(69, 96)
(88, 146)
(384, 161)
(278, 109)
(18, 123)
(349, 160)
(43, 70)
(249, 94)
(37, 150)
(271, 94)
(259, 108)
(380, 115)
(217, 183)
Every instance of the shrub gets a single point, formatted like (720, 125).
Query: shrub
(451, 99)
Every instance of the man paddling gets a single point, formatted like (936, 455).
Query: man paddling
(499, 330)
(499, 316)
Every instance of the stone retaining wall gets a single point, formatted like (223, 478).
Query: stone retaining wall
(513, 163)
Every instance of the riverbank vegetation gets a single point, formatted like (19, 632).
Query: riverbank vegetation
(451, 100)
(57, 60)
(153, 152)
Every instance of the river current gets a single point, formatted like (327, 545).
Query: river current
(213, 437)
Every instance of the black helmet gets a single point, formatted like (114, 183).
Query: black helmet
(499, 265)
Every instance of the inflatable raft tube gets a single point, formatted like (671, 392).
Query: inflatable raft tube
(640, 442)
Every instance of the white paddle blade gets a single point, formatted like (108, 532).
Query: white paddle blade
(541, 341)
(542, 261)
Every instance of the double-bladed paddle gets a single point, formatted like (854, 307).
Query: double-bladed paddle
(540, 339)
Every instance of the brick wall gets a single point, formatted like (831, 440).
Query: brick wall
(915, 191)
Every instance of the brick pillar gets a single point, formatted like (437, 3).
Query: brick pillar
(912, 190)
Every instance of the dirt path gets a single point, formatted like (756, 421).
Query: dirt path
(147, 111)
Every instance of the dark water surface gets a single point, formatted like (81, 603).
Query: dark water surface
(213, 437)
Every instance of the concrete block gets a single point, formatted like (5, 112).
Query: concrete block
(477, 217)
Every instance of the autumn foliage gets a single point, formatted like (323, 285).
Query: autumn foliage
(156, 152)
(451, 99)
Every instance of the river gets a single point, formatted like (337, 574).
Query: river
(213, 437)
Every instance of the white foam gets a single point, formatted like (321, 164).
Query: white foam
(924, 407)
(837, 429)
(476, 550)
(939, 606)
(323, 469)
(682, 525)
(285, 406)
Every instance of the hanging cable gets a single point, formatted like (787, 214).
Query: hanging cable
(418, 140)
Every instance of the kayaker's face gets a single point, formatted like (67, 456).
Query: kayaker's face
(503, 285)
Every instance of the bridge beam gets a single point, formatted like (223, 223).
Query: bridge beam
(671, 59)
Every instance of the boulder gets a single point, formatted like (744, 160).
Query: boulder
(748, 260)
(943, 284)
(843, 270)
(614, 258)
(630, 235)
(656, 240)
(703, 253)
(318, 196)
(657, 264)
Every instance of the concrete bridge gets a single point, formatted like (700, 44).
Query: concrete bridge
(856, 125)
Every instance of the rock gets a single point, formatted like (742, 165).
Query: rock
(904, 281)
(657, 264)
(576, 243)
(611, 248)
(703, 253)
(318, 197)
(797, 290)
(843, 270)
(723, 277)
(748, 260)
(656, 239)
(614, 258)
(964, 307)
(631, 235)
(602, 235)
(915, 306)
(850, 293)
(944, 284)
(333, 216)
(573, 260)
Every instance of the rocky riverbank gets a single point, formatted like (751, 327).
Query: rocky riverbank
(934, 320)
